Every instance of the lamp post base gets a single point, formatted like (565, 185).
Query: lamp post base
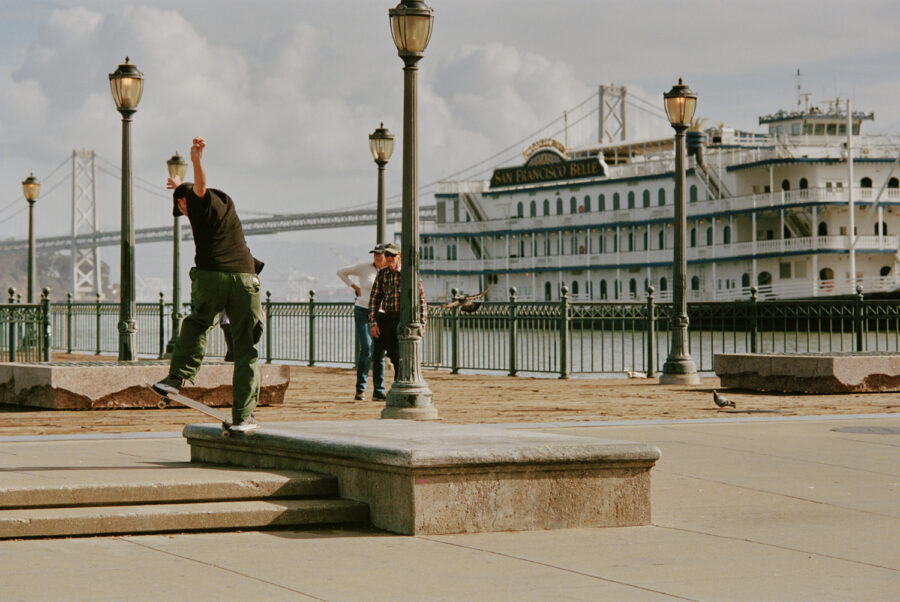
(679, 372)
(395, 413)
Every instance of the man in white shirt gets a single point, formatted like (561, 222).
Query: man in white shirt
(365, 276)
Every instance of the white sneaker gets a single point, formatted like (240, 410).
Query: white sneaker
(247, 424)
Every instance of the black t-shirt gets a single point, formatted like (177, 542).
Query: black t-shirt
(218, 235)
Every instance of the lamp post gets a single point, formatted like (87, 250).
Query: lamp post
(177, 167)
(31, 186)
(126, 85)
(679, 367)
(381, 143)
(410, 397)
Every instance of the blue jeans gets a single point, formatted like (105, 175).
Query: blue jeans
(365, 359)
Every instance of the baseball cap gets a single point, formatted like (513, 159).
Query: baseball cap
(391, 249)
(180, 192)
(379, 248)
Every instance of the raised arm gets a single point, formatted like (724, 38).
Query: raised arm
(197, 147)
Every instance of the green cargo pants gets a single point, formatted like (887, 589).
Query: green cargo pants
(238, 295)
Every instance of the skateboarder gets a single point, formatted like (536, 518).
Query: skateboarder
(225, 277)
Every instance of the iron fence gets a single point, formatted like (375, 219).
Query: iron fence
(561, 338)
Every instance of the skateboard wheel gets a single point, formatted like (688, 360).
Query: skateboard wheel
(226, 433)
(161, 404)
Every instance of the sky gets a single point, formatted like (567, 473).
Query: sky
(286, 92)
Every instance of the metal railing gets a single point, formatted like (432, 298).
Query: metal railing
(562, 338)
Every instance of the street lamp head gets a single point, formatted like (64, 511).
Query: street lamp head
(681, 103)
(126, 84)
(381, 143)
(177, 166)
(31, 186)
(411, 22)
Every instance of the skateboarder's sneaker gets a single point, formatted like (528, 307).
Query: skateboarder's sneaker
(379, 397)
(168, 386)
(247, 424)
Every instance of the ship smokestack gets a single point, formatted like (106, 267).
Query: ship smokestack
(695, 141)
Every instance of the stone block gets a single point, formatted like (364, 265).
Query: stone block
(108, 385)
(428, 478)
(809, 372)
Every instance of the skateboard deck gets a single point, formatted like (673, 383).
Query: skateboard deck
(225, 419)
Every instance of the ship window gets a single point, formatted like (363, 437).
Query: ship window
(587, 204)
(779, 129)
(726, 235)
(842, 129)
(533, 208)
(820, 129)
(885, 270)
(786, 233)
(603, 289)
(546, 206)
(573, 205)
(807, 128)
(601, 202)
(709, 237)
(826, 274)
(615, 248)
(893, 183)
(574, 287)
(548, 291)
(661, 196)
(615, 201)
(662, 239)
(823, 229)
(631, 199)
(832, 129)
(630, 241)
(764, 279)
(646, 198)
(804, 184)
(883, 229)
(693, 237)
(745, 280)
(632, 288)
(693, 193)
(795, 129)
(663, 284)
(784, 270)
(695, 283)
(856, 129)
(866, 182)
(520, 210)
(646, 240)
(559, 206)
(785, 184)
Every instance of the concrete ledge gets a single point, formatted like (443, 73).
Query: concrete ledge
(809, 372)
(108, 385)
(427, 478)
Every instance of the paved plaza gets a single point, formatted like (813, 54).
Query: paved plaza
(743, 509)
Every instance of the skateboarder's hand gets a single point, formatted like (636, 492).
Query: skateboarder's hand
(173, 183)
(197, 146)
(356, 289)
(375, 332)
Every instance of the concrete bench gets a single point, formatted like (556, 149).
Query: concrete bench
(809, 372)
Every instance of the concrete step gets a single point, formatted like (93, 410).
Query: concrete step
(185, 483)
(195, 516)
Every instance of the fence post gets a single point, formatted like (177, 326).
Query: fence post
(46, 327)
(454, 336)
(312, 328)
(69, 323)
(99, 332)
(564, 333)
(162, 326)
(860, 319)
(753, 324)
(513, 331)
(268, 327)
(13, 330)
(651, 333)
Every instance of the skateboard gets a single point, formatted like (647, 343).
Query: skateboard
(225, 419)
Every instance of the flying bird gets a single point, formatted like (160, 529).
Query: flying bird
(466, 303)
(721, 400)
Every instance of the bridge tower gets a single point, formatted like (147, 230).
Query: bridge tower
(612, 114)
(86, 261)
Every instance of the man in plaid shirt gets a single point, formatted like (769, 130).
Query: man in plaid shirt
(384, 311)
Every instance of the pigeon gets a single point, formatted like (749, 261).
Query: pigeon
(632, 374)
(721, 400)
(466, 303)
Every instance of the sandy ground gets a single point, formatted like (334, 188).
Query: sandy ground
(327, 394)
